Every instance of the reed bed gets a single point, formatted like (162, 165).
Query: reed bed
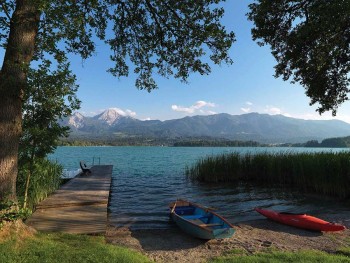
(46, 179)
(326, 173)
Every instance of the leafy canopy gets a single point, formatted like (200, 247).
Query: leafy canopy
(50, 95)
(311, 42)
(156, 36)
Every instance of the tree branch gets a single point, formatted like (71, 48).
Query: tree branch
(208, 43)
(154, 15)
(6, 11)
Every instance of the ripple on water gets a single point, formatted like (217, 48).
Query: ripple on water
(146, 179)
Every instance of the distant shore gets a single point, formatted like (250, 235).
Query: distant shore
(200, 142)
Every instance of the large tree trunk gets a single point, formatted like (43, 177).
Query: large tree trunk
(13, 79)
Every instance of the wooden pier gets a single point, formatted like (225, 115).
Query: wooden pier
(79, 206)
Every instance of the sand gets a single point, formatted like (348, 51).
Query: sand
(173, 245)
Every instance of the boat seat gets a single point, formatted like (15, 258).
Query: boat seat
(189, 217)
(214, 224)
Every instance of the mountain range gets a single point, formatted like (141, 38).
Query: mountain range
(262, 128)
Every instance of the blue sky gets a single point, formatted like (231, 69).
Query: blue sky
(246, 86)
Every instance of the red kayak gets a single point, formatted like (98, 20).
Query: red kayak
(300, 220)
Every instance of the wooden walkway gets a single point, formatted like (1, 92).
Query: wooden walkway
(79, 206)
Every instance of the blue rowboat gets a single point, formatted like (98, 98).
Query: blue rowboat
(199, 221)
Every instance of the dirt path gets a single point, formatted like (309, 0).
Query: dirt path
(173, 245)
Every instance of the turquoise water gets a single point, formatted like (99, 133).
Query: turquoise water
(146, 179)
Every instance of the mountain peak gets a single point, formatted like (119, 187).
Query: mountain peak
(253, 126)
(76, 120)
(111, 115)
(77, 115)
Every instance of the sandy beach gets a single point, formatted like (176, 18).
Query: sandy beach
(172, 245)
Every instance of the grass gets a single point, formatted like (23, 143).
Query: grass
(277, 257)
(65, 248)
(346, 249)
(326, 173)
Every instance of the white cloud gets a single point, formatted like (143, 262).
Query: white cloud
(273, 110)
(182, 109)
(287, 115)
(200, 104)
(248, 107)
(197, 107)
(126, 112)
(316, 116)
(130, 113)
(343, 117)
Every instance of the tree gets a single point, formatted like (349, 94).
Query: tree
(334, 143)
(49, 96)
(310, 41)
(164, 37)
(312, 143)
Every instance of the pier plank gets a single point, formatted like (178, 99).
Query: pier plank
(79, 206)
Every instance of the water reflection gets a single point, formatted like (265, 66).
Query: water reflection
(145, 206)
(147, 179)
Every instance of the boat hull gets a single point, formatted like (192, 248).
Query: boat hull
(200, 222)
(300, 220)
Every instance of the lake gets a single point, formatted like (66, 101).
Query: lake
(146, 179)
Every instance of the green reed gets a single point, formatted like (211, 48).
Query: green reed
(325, 173)
(46, 178)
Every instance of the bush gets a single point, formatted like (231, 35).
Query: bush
(45, 179)
(10, 211)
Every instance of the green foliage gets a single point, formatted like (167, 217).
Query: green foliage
(10, 211)
(323, 173)
(277, 257)
(329, 143)
(65, 248)
(108, 140)
(111, 140)
(215, 143)
(46, 178)
(50, 96)
(310, 42)
(163, 37)
(312, 143)
(345, 250)
(334, 142)
(169, 38)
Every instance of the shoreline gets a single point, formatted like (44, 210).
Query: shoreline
(171, 245)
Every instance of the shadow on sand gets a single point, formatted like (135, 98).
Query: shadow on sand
(266, 224)
(170, 239)
(152, 239)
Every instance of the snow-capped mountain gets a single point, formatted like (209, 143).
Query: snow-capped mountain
(104, 121)
(252, 126)
(111, 116)
(76, 120)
